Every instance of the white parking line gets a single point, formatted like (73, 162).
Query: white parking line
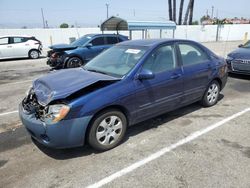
(7, 113)
(165, 150)
(16, 82)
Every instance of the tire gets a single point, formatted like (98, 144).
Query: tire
(107, 130)
(34, 54)
(211, 95)
(74, 62)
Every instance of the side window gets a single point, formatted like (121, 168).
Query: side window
(161, 60)
(112, 40)
(4, 41)
(98, 41)
(192, 54)
(18, 39)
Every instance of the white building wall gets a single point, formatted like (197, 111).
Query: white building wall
(196, 32)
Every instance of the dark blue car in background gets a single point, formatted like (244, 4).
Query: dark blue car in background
(82, 50)
(128, 83)
(239, 59)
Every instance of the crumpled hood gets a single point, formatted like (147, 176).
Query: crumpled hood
(240, 53)
(62, 47)
(63, 83)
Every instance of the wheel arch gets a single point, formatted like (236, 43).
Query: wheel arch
(219, 81)
(35, 50)
(111, 107)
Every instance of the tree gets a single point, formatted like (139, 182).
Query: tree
(170, 9)
(64, 25)
(180, 12)
(174, 10)
(195, 23)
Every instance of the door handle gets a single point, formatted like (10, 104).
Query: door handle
(175, 76)
(9, 46)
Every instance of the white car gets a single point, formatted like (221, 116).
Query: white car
(19, 46)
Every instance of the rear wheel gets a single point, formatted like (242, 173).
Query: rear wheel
(107, 130)
(74, 62)
(34, 54)
(211, 95)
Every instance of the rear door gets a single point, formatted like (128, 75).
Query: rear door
(20, 46)
(196, 70)
(5, 48)
(163, 92)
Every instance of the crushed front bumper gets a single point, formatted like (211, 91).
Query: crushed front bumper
(64, 134)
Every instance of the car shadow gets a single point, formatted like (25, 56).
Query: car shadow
(64, 154)
(239, 76)
(23, 58)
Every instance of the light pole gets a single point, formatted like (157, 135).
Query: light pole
(107, 6)
(43, 18)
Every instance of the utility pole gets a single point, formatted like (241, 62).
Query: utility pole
(107, 6)
(212, 16)
(43, 18)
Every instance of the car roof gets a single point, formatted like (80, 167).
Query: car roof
(100, 34)
(26, 36)
(151, 42)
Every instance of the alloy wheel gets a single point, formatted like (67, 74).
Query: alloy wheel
(109, 130)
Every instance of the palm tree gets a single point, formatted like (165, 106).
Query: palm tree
(174, 10)
(170, 9)
(180, 12)
(191, 12)
(187, 13)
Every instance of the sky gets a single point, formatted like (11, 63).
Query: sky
(90, 13)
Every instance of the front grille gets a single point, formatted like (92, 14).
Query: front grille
(241, 65)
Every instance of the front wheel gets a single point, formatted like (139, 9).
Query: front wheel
(107, 130)
(211, 95)
(74, 62)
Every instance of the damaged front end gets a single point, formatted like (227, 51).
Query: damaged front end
(48, 114)
(56, 57)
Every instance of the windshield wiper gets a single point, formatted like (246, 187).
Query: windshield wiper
(93, 70)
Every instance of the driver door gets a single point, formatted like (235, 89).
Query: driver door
(165, 91)
(97, 46)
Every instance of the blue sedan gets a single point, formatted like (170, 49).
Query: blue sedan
(128, 83)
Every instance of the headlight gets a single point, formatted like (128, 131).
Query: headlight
(57, 112)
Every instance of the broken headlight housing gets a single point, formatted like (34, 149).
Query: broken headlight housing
(56, 112)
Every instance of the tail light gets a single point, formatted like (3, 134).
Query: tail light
(54, 55)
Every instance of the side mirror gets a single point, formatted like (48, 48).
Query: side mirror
(145, 74)
(240, 45)
(89, 45)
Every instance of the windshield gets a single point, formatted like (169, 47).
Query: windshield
(81, 41)
(116, 61)
(246, 45)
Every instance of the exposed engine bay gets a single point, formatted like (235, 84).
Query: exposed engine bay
(31, 106)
